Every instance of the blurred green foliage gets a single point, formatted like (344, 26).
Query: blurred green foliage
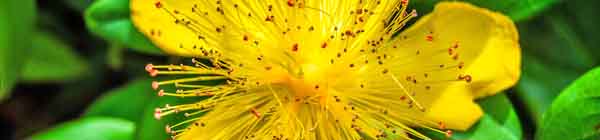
(515, 9)
(558, 46)
(90, 128)
(51, 60)
(16, 26)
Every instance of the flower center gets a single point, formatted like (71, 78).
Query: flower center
(309, 81)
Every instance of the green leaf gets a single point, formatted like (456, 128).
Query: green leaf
(110, 19)
(575, 113)
(127, 102)
(515, 9)
(500, 121)
(16, 24)
(51, 60)
(90, 128)
(586, 22)
(555, 53)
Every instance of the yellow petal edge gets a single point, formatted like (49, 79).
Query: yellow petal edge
(495, 68)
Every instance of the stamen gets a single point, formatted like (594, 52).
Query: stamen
(161, 92)
(260, 79)
(157, 114)
(406, 92)
(155, 85)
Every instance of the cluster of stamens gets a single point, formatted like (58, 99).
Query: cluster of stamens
(357, 71)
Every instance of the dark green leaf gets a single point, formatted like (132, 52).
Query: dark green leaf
(51, 60)
(115, 56)
(110, 19)
(500, 122)
(90, 128)
(582, 16)
(515, 9)
(575, 113)
(78, 5)
(127, 102)
(554, 54)
(16, 24)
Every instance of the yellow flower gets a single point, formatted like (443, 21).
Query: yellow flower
(336, 69)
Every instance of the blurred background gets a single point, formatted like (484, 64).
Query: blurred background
(73, 66)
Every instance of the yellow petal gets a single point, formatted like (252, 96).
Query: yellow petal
(161, 28)
(483, 43)
(455, 107)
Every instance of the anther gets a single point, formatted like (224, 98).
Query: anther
(161, 92)
(158, 4)
(155, 85)
(295, 47)
(455, 45)
(448, 133)
(255, 112)
(245, 38)
(404, 2)
(385, 71)
(153, 73)
(149, 67)
(168, 129)
(441, 125)
(414, 13)
(429, 37)
(157, 113)
(465, 77)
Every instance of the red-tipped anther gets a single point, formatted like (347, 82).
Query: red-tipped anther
(245, 37)
(455, 45)
(402, 97)
(465, 77)
(168, 129)
(149, 68)
(153, 73)
(442, 125)
(290, 3)
(295, 47)
(255, 112)
(158, 4)
(404, 2)
(157, 113)
(155, 85)
(414, 13)
(161, 92)
(429, 37)
(468, 78)
(448, 133)
(324, 45)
